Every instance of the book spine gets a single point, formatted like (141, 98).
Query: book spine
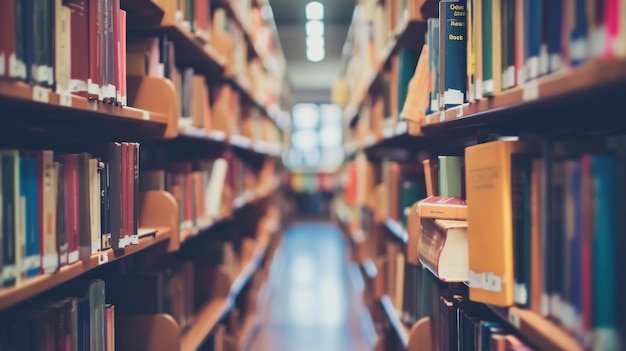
(62, 47)
(533, 39)
(61, 237)
(80, 33)
(488, 53)
(544, 57)
(135, 220)
(95, 32)
(455, 54)
(10, 201)
(72, 211)
(115, 194)
(128, 197)
(7, 41)
(555, 17)
(578, 35)
(122, 52)
(519, 42)
(105, 221)
(84, 207)
(94, 206)
(28, 183)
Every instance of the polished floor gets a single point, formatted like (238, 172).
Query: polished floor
(314, 298)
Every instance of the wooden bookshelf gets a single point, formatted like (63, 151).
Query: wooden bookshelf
(394, 319)
(190, 51)
(249, 329)
(369, 268)
(595, 79)
(258, 147)
(410, 32)
(32, 287)
(73, 116)
(208, 317)
(248, 96)
(146, 11)
(202, 225)
(542, 332)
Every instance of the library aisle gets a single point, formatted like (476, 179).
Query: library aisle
(313, 305)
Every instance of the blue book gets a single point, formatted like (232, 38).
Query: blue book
(578, 36)
(31, 261)
(604, 175)
(453, 51)
(533, 38)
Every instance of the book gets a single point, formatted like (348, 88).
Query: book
(451, 176)
(431, 175)
(29, 217)
(452, 53)
(442, 207)
(443, 249)
(488, 175)
(10, 216)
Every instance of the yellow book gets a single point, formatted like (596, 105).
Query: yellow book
(489, 216)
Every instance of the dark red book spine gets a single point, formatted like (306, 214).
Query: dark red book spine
(7, 39)
(71, 206)
(94, 33)
(122, 51)
(40, 204)
(80, 40)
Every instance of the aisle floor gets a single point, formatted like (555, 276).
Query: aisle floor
(314, 304)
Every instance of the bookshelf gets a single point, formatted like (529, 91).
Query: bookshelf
(124, 104)
(564, 103)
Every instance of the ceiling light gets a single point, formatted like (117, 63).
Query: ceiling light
(315, 28)
(315, 42)
(314, 10)
(315, 54)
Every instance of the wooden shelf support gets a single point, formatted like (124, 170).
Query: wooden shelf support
(159, 209)
(153, 332)
(155, 95)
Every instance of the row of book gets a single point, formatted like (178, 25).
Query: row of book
(59, 208)
(75, 47)
(478, 48)
(216, 106)
(83, 321)
(197, 186)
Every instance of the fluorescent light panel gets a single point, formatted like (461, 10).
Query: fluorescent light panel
(314, 10)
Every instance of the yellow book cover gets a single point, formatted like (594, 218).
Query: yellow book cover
(489, 216)
(414, 228)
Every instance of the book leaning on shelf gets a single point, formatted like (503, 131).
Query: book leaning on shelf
(57, 208)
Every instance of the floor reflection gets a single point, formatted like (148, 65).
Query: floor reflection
(312, 298)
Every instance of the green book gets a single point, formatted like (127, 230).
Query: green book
(487, 47)
(451, 176)
(407, 63)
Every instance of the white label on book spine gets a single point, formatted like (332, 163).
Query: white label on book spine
(50, 262)
(9, 272)
(2, 64)
(40, 73)
(401, 128)
(453, 97)
(17, 68)
(520, 293)
(598, 41)
(555, 63)
(145, 115)
(95, 246)
(103, 258)
(72, 256)
(459, 111)
(94, 89)
(387, 132)
(77, 85)
(30, 262)
(134, 239)
(63, 257)
(532, 67)
(521, 75)
(485, 281)
(530, 90)
(479, 89)
(65, 100)
(514, 319)
(41, 94)
(488, 87)
(578, 48)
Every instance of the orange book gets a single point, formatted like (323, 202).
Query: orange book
(536, 258)
(414, 228)
(418, 93)
(489, 214)
(431, 176)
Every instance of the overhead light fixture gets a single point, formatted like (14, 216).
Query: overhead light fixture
(314, 10)
(315, 28)
(314, 42)
(315, 54)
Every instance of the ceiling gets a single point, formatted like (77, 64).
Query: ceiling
(311, 81)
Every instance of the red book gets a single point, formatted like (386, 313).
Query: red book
(122, 58)
(116, 80)
(586, 257)
(80, 40)
(202, 9)
(72, 228)
(95, 40)
(611, 18)
(7, 39)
